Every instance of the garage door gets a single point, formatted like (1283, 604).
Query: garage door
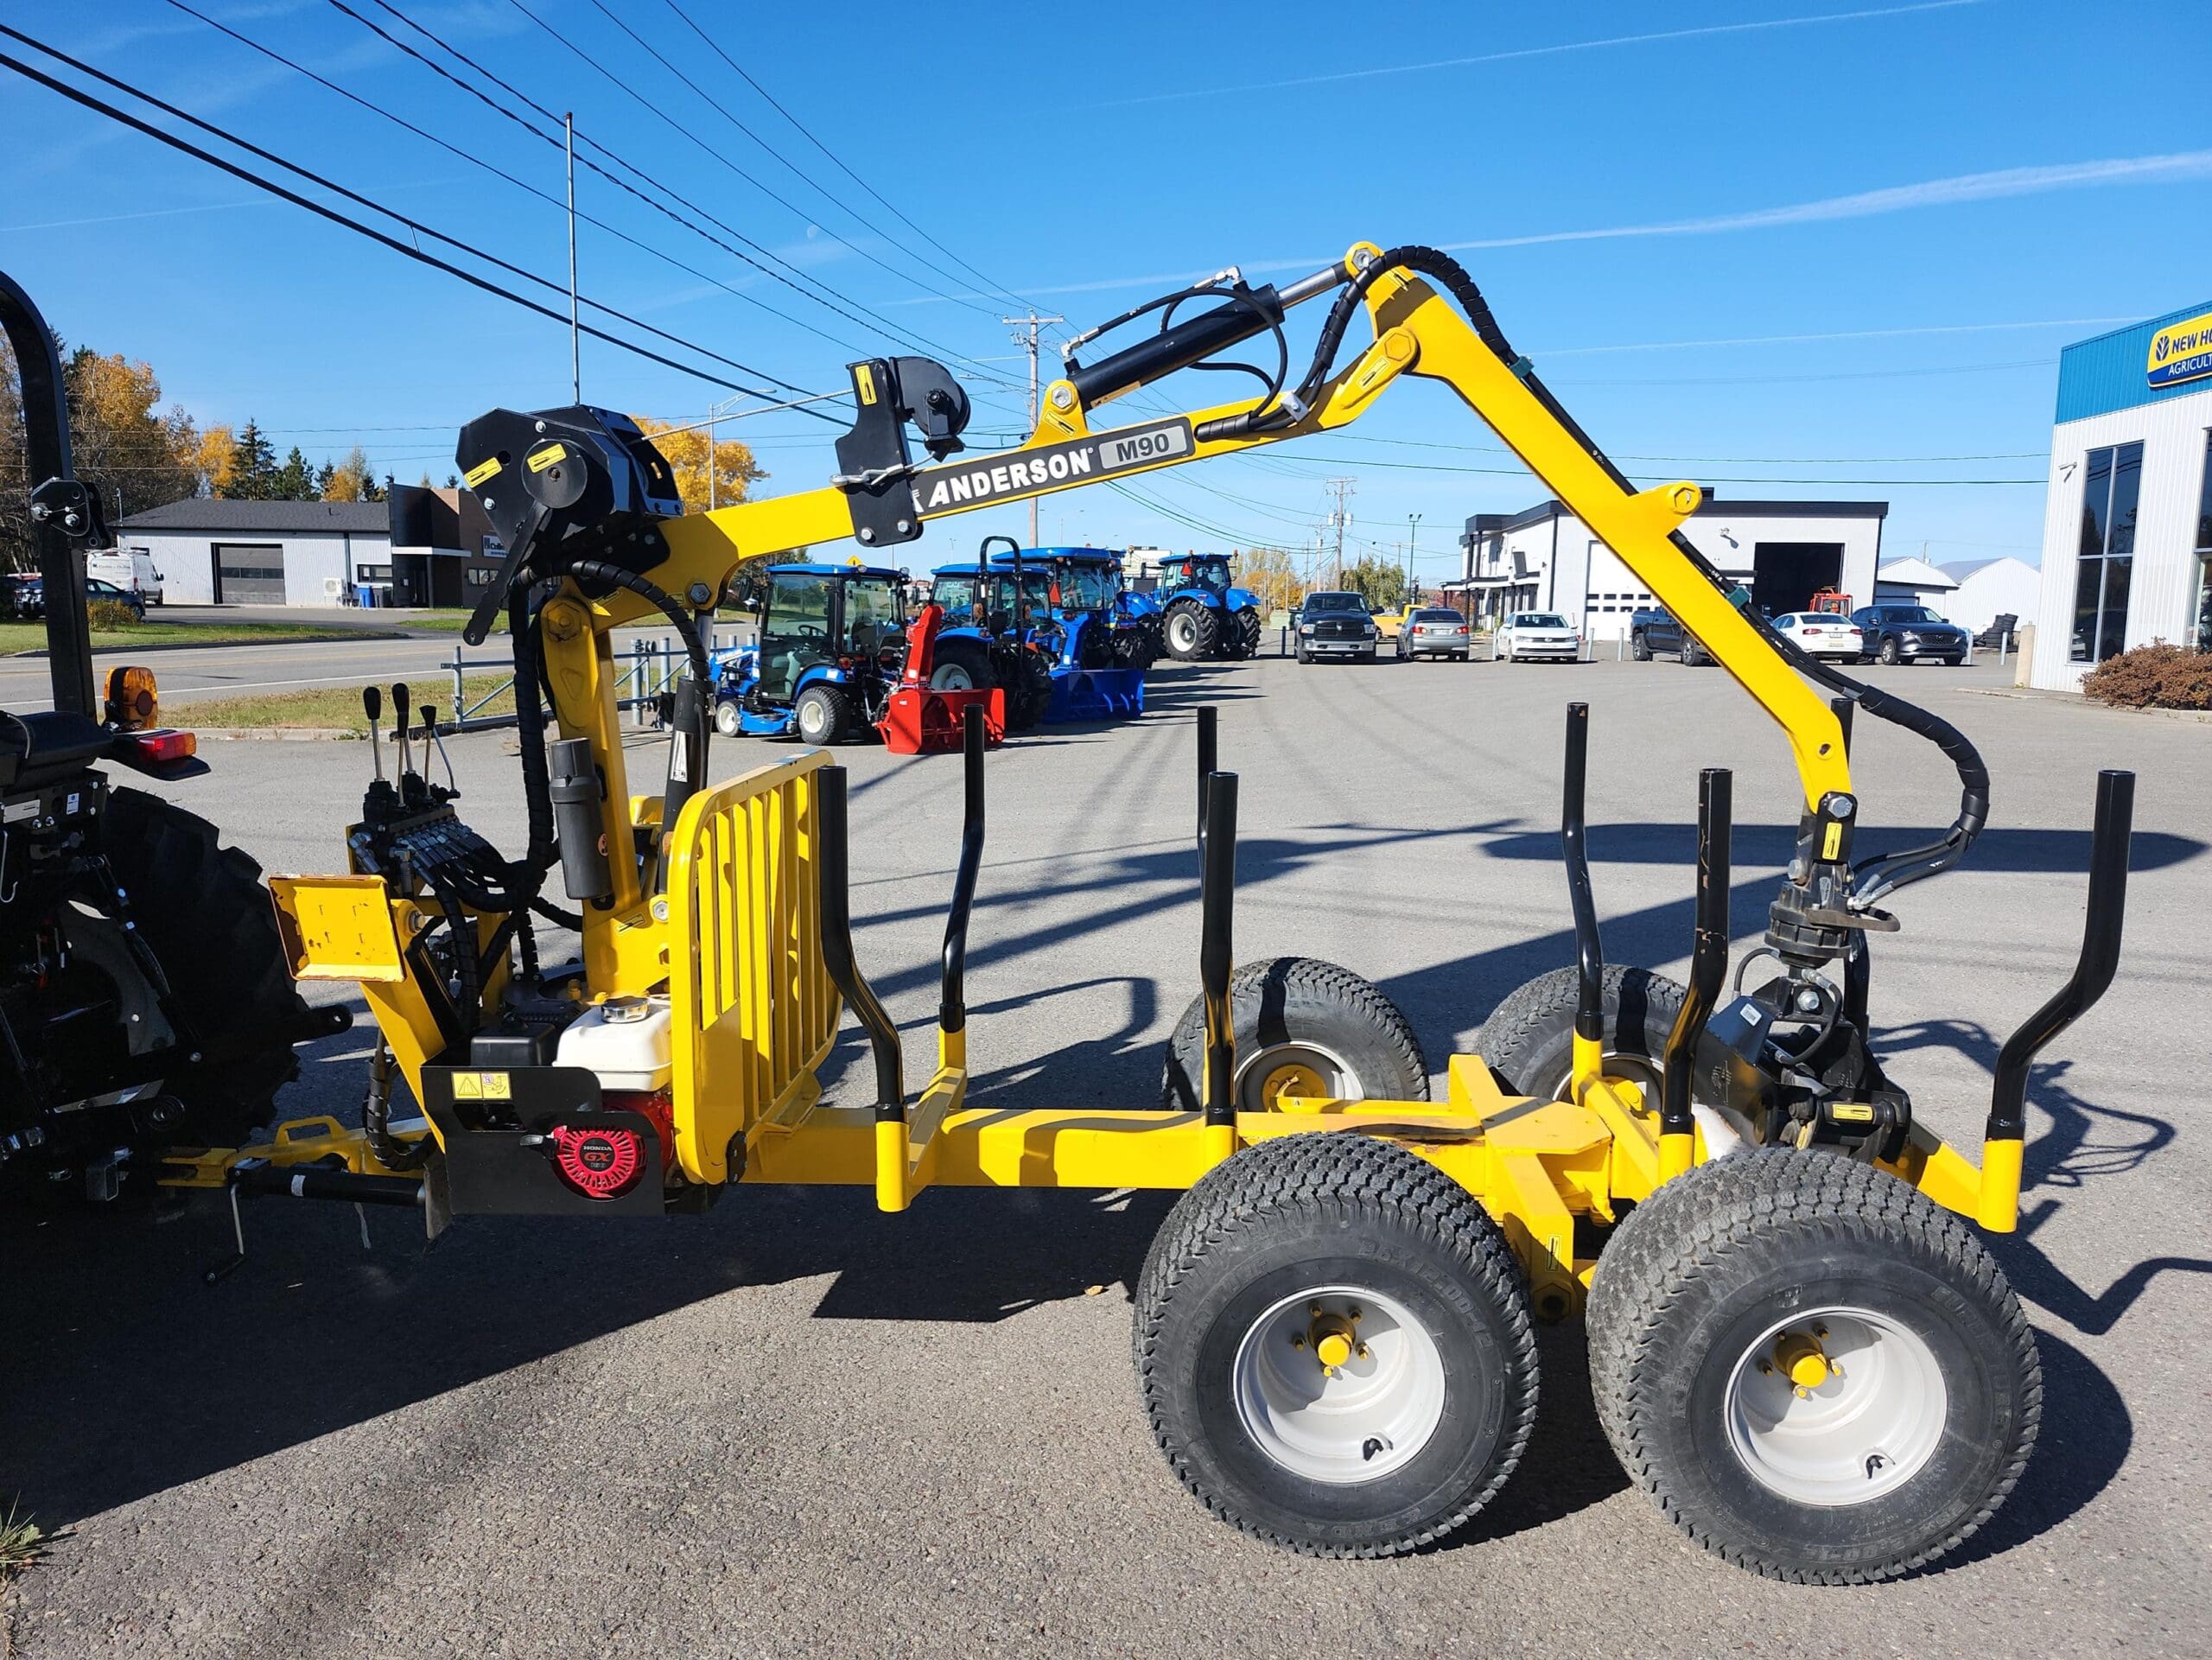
(249, 575)
(1786, 575)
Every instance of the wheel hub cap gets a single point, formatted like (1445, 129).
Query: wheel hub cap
(1836, 1406)
(1338, 1385)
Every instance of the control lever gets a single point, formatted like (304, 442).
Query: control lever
(399, 713)
(430, 736)
(373, 706)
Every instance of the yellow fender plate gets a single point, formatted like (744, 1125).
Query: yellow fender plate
(337, 928)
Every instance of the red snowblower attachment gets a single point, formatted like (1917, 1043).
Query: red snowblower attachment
(923, 719)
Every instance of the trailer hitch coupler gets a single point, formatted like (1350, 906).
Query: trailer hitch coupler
(578, 820)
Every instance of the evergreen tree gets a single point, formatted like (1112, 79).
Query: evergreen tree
(294, 480)
(325, 476)
(253, 468)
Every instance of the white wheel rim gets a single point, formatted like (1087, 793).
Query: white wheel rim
(1182, 632)
(812, 719)
(1860, 1432)
(1338, 1078)
(954, 677)
(1369, 1417)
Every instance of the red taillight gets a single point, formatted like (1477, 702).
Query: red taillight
(164, 746)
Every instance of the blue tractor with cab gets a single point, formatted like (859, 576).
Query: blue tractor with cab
(1040, 624)
(1203, 616)
(831, 647)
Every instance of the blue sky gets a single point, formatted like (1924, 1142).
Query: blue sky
(1781, 250)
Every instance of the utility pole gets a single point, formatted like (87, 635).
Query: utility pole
(1340, 488)
(1031, 323)
(576, 349)
(1413, 584)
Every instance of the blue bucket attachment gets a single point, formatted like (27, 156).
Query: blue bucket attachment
(1095, 695)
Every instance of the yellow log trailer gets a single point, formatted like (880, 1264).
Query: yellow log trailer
(1797, 1345)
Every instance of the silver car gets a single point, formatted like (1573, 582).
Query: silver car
(1536, 636)
(1438, 632)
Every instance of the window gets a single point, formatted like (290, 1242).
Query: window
(2110, 486)
(2204, 632)
(372, 573)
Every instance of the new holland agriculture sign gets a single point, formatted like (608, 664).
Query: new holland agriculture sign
(2181, 350)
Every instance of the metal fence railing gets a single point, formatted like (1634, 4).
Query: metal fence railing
(645, 680)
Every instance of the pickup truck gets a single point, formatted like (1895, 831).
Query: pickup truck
(1653, 634)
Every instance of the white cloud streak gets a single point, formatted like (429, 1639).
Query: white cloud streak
(1539, 52)
(2182, 167)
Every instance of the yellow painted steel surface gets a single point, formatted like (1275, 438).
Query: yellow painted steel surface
(753, 1007)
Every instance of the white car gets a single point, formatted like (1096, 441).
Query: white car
(1822, 633)
(1536, 636)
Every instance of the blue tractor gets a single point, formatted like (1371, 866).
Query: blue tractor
(1040, 624)
(832, 645)
(1109, 626)
(1201, 615)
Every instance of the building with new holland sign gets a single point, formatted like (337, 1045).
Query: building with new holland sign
(2127, 525)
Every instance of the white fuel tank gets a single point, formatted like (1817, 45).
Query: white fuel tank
(625, 1040)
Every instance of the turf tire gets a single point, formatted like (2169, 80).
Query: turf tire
(822, 714)
(1528, 1039)
(1706, 1264)
(1287, 1000)
(1334, 1210)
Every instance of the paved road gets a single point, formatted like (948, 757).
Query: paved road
(192, 673)
(797, 1426)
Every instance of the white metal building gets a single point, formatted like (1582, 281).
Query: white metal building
(1989, 588)
(423, 547)
(1545, 559)
(2127, 523)
(1902, 580)
(216, 552)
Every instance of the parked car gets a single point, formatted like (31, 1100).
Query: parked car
(96, 593)
(1333, 623)
(130, 571)
(1821, 633)
(1390, 624)
(1433, 632)
(1905, 633)
(1656, 634)
(22, 596)
(1536, 636)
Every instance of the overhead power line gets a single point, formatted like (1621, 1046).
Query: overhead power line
(726, 114)
(100, 106)
(545, 196)
(767, 264)
(776, 267)
(807, 133)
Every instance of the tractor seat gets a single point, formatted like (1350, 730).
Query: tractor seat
(50, 742)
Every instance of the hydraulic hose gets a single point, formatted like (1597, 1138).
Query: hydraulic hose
(687, 754)
(1872, 877)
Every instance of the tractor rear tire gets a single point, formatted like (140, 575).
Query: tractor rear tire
(1304, 1029)
(1246, 634)
(1527, 1042)
(1028, 692)
(203, 909)
(823, 715)
(1816, 1372)
(960, 666)
(1417, 1427)
(1191, 631)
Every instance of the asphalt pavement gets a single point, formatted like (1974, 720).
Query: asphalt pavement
(795, 1426)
